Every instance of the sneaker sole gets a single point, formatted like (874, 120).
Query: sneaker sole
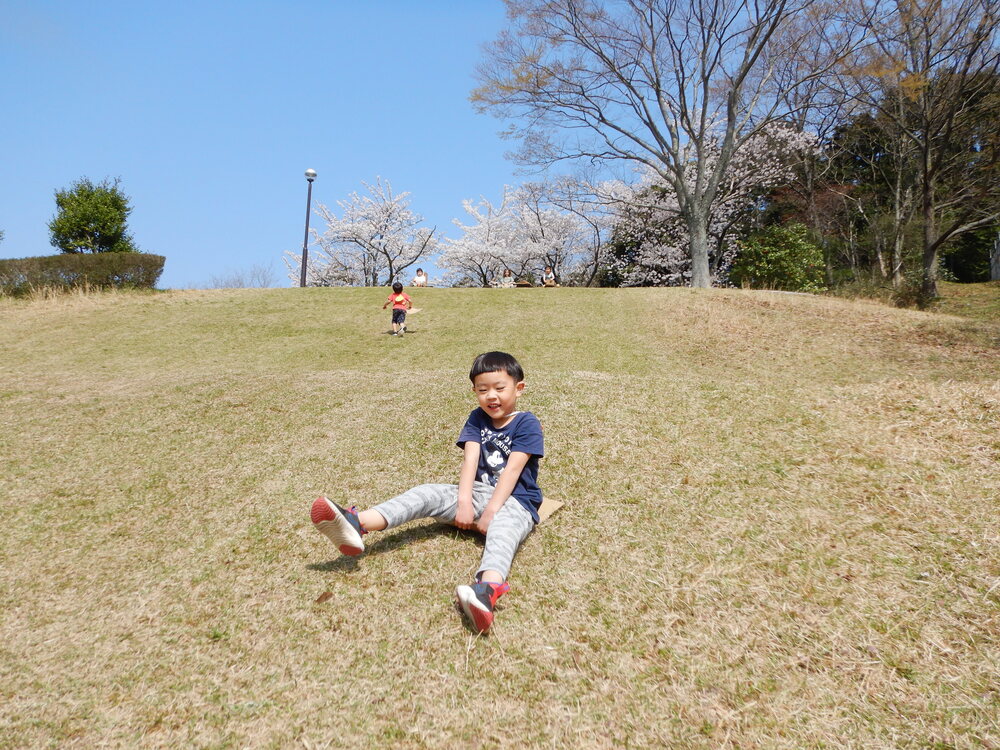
(472, 608)
(329, 522)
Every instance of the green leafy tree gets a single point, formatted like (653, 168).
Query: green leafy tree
(780, 257)
(92, 219)
(932, 71)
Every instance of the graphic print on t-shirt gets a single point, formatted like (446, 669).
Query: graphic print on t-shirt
(398, 301)
(496, 449)
(523, 433)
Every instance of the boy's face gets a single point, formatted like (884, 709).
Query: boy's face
(497, 393)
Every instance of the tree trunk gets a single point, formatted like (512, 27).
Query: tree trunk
(701, 276)
(929, 287)
(899, 195)
(852, 251)
(897, 259)
(817, 225)
(995, 259)
(824, 243)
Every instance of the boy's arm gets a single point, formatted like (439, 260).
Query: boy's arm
(465, 516)
(516, 462)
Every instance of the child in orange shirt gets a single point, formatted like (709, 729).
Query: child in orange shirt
(400, 304)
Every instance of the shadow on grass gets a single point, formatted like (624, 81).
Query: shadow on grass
(391, 540)
(404, 537)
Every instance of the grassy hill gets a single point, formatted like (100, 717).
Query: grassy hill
(782, 524)
(980, 301)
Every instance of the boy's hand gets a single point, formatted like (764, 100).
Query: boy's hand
(465, 517)
(484, 521)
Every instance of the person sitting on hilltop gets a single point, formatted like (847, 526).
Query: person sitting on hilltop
(507, 280)
(420, 279)
(549, 278)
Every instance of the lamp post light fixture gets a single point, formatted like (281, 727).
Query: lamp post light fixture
(310, 176)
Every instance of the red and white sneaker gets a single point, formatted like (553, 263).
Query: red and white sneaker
(340, 526)
(477, 602)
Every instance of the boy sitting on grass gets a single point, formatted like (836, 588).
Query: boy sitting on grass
(497, 491)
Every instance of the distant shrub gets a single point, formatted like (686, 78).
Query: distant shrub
(780, 257)
(911, 292)
(21, 276)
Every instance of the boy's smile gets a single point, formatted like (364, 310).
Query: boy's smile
(497, 393)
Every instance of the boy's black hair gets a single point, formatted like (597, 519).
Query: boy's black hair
(496, 362)
(397, 287)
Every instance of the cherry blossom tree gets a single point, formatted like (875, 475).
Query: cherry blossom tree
(513, 235)
(545, 235)
(652, 235)
(534, 226)
(375, 239)
(475, 258)
(595, 217)
(571, 224)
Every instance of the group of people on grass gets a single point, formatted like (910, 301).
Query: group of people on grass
(507, 280)
(401, 302)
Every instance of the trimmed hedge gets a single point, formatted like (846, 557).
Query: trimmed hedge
(19, 276)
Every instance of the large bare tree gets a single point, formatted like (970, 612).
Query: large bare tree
(678, 85)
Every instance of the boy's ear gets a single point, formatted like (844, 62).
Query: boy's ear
(520, 386)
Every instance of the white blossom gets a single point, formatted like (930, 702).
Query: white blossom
(649, 212)
(536, 225)
(371, 244)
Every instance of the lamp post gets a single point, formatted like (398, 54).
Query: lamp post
(310, 176)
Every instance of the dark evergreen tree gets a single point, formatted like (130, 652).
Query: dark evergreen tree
(92, 219)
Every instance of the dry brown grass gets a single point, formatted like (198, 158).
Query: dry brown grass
(781, 526)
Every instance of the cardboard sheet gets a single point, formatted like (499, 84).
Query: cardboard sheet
(547, 508)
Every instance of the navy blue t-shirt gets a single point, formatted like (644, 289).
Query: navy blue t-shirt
(524, 434)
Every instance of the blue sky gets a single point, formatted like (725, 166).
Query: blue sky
(210, 112)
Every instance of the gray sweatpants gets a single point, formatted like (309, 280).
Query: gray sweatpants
(509, 527)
